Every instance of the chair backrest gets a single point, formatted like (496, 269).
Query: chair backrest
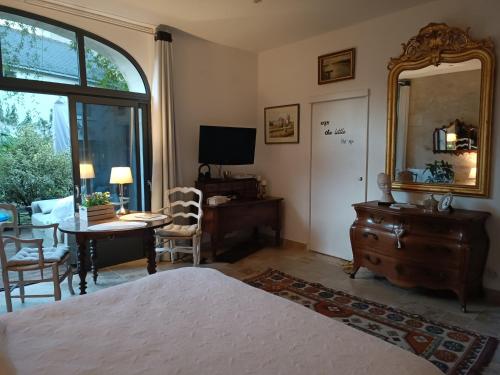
(13, 222)
(185, 202)
(3, 252)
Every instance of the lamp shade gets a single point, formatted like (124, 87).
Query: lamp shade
(451, 137)
(87, 170)
(121, 175)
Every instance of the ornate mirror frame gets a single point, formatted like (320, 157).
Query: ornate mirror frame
(434, 44)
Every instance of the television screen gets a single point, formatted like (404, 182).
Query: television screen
(226, 145)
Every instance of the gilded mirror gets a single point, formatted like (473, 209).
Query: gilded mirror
(440, 93)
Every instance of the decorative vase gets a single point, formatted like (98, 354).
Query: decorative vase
(431, 204)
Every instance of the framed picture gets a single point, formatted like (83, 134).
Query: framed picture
(336, 66)
(282, 124)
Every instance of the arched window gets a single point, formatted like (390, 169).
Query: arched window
(36, 49)
(72, 102)
(109, 69)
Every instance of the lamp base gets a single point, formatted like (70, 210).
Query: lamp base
(122, 211)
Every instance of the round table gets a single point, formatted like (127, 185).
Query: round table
(83, 234)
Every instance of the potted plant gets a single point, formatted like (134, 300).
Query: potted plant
(441, 172)
(97, 206)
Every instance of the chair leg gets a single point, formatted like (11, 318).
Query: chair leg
(70, 278)
(196, 257)
(55, 279)
(21, 285)
(6, 286)
(171, 244)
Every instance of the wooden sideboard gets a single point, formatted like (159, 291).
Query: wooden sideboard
(412, 247)
(246, 211)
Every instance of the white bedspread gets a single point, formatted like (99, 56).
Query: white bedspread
(193, 321)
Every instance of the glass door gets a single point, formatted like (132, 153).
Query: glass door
(108, 134)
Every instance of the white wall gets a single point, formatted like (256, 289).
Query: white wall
(289, 75)
(213, 85)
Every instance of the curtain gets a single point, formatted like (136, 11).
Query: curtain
(165, 165)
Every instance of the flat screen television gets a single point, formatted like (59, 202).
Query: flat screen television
(223, 145)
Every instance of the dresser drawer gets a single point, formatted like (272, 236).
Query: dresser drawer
(445, 253)
(409, 274)
(429, 228)
(377, 219)
(374, 239)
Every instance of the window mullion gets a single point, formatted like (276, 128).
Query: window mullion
(81, 59)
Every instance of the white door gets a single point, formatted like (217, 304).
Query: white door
(338, 172)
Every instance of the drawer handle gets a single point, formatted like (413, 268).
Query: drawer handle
(368, 234)
(375, 262)
(377, 220)
(399, 231)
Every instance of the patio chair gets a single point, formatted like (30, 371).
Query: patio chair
(32, 256)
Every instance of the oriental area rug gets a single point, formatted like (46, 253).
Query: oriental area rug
(452, 349)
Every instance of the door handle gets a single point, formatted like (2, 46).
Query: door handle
(360, 178)
(77, 191)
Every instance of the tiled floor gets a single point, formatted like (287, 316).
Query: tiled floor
(319, 268)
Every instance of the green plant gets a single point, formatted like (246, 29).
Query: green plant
(441, 172)
(31, 170)
(96, 199)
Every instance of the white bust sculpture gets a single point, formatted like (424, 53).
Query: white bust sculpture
(384, 184)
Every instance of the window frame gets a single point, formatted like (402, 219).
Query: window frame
(87, 94)
(11, 83)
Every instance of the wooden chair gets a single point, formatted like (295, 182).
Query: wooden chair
(36, 257)
(186, 226)
(14, 217)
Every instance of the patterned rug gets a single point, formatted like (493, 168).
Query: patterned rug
(452, 349)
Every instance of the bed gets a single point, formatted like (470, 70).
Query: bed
(191, 321)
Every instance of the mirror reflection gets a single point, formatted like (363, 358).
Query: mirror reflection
(438, 114)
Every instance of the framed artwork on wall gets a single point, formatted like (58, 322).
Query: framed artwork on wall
(336, 66)
(282, 124)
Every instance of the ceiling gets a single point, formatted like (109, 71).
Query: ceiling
(247, 24)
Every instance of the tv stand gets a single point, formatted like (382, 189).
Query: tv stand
(245, 212)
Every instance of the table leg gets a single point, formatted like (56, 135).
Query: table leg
(149, 248)
(82, 270)
(93, 258)
(277, 237)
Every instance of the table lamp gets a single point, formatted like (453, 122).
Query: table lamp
(120, 176)
(86, 173)
(451, 141)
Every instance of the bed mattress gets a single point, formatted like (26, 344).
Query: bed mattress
(192, 321)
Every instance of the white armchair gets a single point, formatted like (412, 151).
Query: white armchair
(50, 211)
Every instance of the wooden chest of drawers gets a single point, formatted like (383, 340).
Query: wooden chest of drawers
(411, 247)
